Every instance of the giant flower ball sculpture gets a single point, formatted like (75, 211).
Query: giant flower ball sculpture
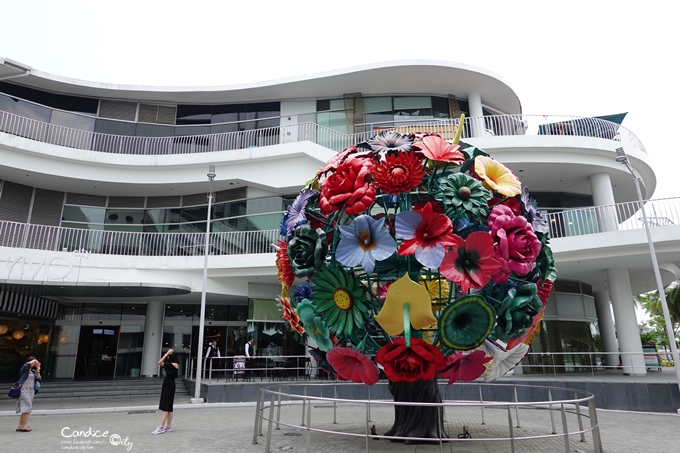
(423, 256)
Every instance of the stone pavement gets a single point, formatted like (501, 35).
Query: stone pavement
(225, 427)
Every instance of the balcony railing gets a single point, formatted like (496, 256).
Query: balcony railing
(487, 126)
(565, 223)
(41, 237)
(618, 217)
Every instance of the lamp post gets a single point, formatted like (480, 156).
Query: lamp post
(623, 159)
(201, 326)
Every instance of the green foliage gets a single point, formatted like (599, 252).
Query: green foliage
(651, 303)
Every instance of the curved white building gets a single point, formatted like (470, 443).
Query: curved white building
(103, 206)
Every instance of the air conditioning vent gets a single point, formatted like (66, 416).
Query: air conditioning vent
(157, 114)
(118, 110)
(147, 113)
(126, 202)
(166, 114)
(83, 199)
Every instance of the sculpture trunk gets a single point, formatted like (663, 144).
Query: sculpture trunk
(417, 421)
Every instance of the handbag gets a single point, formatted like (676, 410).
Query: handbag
(15, 391)
(36, 386)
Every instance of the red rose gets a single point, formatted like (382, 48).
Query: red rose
(420, 361)
(348, 188)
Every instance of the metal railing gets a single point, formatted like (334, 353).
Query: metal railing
(565, 223)
(272, 368)
(494, 125)
(486, 404)
(42, 237)
(618, 217)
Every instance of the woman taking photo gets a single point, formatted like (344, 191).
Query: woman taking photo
(29, 374)
(170, 363)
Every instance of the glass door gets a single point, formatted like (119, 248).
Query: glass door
(97, 352)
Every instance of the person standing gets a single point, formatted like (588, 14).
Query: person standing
(28, 376)
(170, 363)
(212, 353)
(249, 354)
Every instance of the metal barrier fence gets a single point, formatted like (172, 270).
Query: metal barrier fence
(43, 237)
(269, 367)
(486, 126)
(563, 401)
(565, 223)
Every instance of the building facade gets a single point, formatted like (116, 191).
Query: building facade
(103, 208)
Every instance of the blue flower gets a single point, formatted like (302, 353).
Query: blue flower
(531, 213)
(302, 292)
(364, 242)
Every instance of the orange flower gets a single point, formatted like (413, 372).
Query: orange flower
(285, 274)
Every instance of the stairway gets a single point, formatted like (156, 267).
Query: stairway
(123, 388)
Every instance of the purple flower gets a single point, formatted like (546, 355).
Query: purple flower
(530, 212)
(296, 211)
(388, 142)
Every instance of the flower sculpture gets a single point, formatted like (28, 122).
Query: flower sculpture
(424, 255)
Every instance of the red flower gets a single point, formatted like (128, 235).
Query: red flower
(398, 173)
(285, 274)
(544, 290)
(470, 261)
(353, 365)
(425, 234)
(290, 315)
(464, 367)
(348, 188)
(516, 244)
(335, 161)
(436, 148)
(420, 361)
(512, 203)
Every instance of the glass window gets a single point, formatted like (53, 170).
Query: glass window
(231, 209)
(79, 122)
(181, 311)
(264, 205)
(119, 217)
(83, 214)
(264, 310)
(134, 312)
(129, 353)
(194, 114)
(440, 107)
(194, 214)
(378, 105)
(412, 102)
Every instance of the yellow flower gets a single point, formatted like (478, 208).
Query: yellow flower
(437, 289)
(496, 176)
(405, 291)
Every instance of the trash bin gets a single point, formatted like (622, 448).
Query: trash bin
(239, 365)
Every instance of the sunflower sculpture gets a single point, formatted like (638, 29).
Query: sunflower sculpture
(425, 256)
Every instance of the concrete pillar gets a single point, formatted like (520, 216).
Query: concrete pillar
(603, 195)
(607, 332)
(626, 321)
(153, 336)
(476, 114)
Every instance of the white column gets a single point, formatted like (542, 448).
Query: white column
(476, 114)
(603, 195)
(153, 336)
(626, 322)
(607, 332)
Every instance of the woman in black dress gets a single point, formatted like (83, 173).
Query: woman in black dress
(170, 363)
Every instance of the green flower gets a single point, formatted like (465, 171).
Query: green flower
(462, 195)
(307, 250)
(316, 328)
(516, 312)
(465, 323)
(338, 297)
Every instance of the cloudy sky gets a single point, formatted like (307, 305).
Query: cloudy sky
(583, 58)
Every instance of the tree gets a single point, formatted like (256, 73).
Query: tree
(651, 303)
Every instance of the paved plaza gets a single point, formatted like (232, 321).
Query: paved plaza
(125, 425)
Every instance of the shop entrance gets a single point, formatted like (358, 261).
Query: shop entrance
(97, 352)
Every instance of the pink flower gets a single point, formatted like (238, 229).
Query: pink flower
(516, 246)
(436, 148)
(464, 367)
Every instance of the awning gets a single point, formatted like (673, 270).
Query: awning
(606, 126)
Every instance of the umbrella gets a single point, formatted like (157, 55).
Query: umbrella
(598, 126)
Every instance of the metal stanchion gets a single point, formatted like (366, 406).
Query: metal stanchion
(309, 424)
(269, 427)
(580, 420)
(552, 416)
(594, 426)
(278, 410)
(481, 400)
(512, 431)
(335, 404)
(258, 407)
(565, 429)
(304, 393)
(516, 407)
(369, 404)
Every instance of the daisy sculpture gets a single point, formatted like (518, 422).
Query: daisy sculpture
(419, 257)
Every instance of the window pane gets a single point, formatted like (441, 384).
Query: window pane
(378, 104)
(83, 214)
